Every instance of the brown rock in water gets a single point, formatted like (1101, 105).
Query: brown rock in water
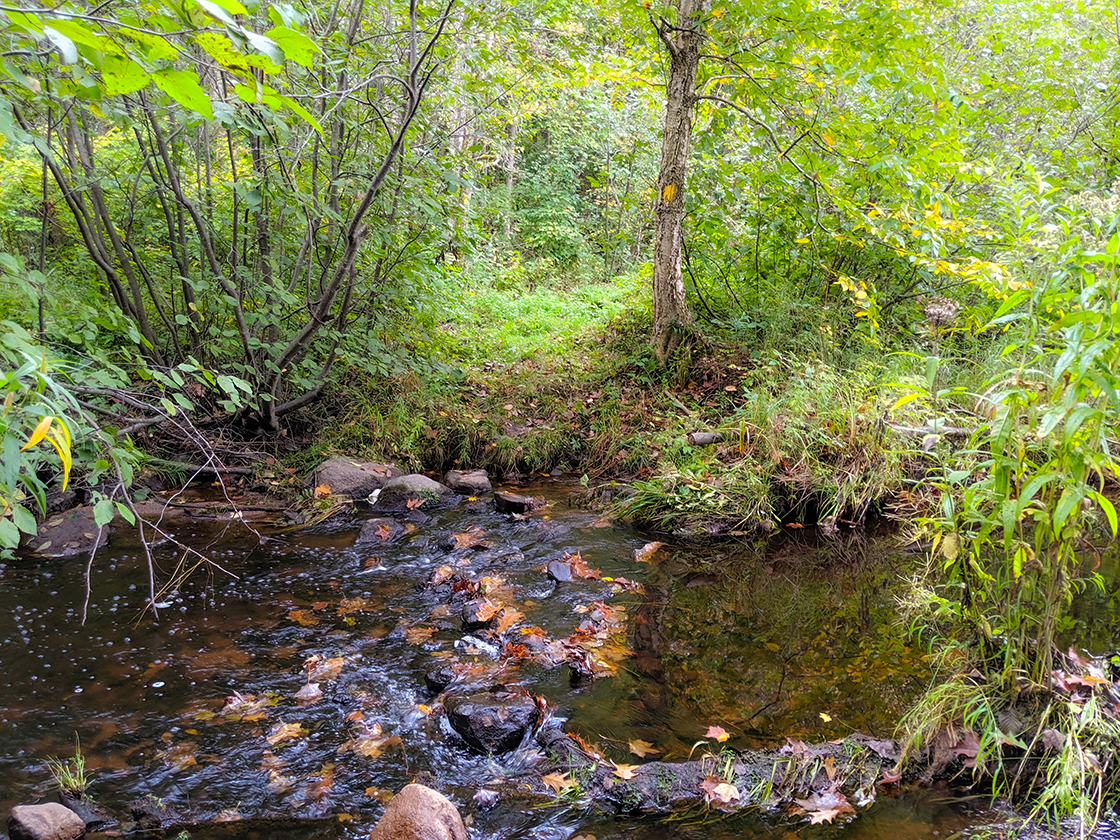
(49, 821)
(353, 477)
(468, 482)
(512, 503)
(419, 813)
(68, 534)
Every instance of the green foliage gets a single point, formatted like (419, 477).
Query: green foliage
(70, 775)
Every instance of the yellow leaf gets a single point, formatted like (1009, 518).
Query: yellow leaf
(642, 748)
(802, 241)
(558, 781)
(826, 717)
(624, 771)
(283, 731)
(39, 433)
(61, 445)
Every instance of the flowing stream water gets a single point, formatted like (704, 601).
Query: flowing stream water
(795, 637)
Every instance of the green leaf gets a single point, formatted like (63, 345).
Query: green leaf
(1108, 508)
(1071, 496)
(126, 514)
(183, 87)
(123, 75)
(103, 512)
(66, 47)
(304, 114)
(9, 534)
(23, 520)
(297, 47)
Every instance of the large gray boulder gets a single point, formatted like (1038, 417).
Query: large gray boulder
(49, 821)
(419, 490)
(353, 477)
(419, 813)
(468, 482)
(492, 722)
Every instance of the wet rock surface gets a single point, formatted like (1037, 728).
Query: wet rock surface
(419, 813)
(48, 821)
(150, 813)
(380, 531)
(419, 490)
(353, 477)
(68, 534)
(468, 482)
(514, 503)
(492, 722)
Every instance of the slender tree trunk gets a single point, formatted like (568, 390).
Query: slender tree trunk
(671, 315)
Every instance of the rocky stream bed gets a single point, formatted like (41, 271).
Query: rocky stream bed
(553, 673)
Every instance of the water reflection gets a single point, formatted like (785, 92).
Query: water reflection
(767, 641)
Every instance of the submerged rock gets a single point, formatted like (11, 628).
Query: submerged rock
(420, 490)
(513, 503)
(492, 722)
(477, 614)
(93, 815)
(559, 571)
(380, 531)
(419, 813)
(354, 478)
(49, 821)
(150, 813)
(468, 482)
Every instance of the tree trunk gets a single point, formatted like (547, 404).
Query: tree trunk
(671, 315)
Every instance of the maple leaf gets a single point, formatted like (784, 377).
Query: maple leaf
(581, 569)
(310, 693)
(642, 748)
(320, 605)
(382, 532)
(419, 635)
(283, 731)
(487, 610)
(303, 617)
(323, 669)
(824, 807)
(369, 742)
(470, 538)
(412, 504)
(624, 771)
(717, 732)
(322, 491)
(509, 618)
(558, 781)
(441, 575)
(349, 605)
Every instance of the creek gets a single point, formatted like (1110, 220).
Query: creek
(793, 637)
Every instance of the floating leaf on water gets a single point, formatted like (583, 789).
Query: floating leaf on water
(824, 807)
(508, 619)
(278, 782)
(441, 575)
(310, 693)
(419, 635)
(323, 669)
(320, 605)
(180, 757)
(303, 617)
(349, 605)
(642, 748)
(646, 552)
(470, 538)
(283, 731)
(369, 742)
